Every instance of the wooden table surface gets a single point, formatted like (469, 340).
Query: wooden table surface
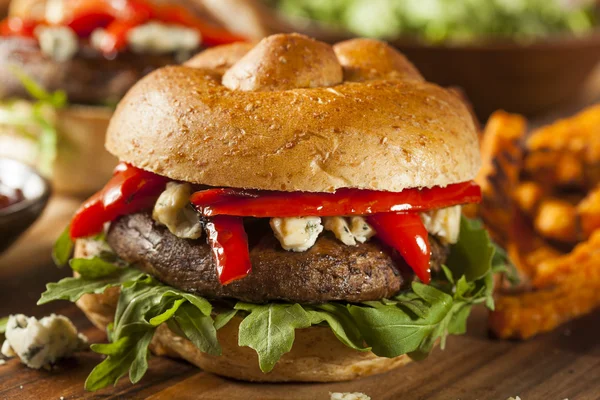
(562, 364)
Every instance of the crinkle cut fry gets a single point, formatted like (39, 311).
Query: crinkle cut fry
(502, 154)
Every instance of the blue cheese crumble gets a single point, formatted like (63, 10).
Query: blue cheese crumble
(40, 343)
(348, 396)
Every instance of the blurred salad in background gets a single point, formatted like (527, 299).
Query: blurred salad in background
(438, 21)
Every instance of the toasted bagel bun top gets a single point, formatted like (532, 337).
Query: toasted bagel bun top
(295, 114)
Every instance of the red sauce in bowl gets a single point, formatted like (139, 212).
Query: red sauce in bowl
(9, 196)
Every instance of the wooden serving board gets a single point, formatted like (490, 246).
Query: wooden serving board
(562, 364)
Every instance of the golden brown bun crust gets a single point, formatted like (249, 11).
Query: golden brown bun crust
(284, 62)
(316, 356)
(82, 165)
(369, 59)
(383, 134)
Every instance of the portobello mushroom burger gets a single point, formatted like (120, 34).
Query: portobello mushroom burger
(289, 211)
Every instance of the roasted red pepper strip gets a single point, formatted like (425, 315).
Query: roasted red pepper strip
(229, 243)
(129, 190)
(406, 233)
(85, 24)
(115, 35)
(15, 26)
(262, 204)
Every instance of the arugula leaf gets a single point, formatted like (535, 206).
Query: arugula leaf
(223, 318)
(3, 322)
(136, 299)
(199, 302)
(413, 303)
(37, 126)
(457, 324)
(47, 145)
(63, 248)
(56, 99)
(340, 321)
(167, 314)
(462, 288)
(472, 255)
(122, 354)
(501, 263)
(139, 366)
(73, 288)
(198, 328)
(488, 291)
(391, 331)
(92, 268)
(116, 348)
(269, 329)
(143, 305)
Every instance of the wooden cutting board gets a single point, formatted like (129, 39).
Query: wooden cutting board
(562, 364)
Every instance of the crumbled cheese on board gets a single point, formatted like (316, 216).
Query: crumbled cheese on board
(349, 396)
(40, 343)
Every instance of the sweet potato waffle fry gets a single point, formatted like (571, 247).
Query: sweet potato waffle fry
(542, 203)
(501, 152)
(527, 314)
(566, 153)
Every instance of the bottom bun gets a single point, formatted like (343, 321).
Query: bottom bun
(316, 356)
(82, 165)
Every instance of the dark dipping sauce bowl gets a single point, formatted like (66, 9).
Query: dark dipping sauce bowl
(24, 194)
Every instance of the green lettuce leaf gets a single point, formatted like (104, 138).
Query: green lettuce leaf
(269, 329)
